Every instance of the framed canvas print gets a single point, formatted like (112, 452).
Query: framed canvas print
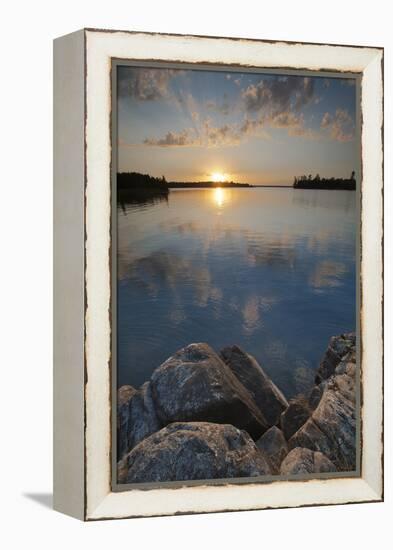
(218, 274)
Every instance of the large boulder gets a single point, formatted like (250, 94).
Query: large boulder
(265, 393)
(196, 385)
(194, 450)
(305, 461)
(274, 445)
(136, 417)
(339, 346)
(297, 413)
(331, 428)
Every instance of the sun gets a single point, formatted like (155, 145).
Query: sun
(218, 177)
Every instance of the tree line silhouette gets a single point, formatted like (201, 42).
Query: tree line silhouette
(316, 182)
(135, 180)
(134, 183)
(136, 188)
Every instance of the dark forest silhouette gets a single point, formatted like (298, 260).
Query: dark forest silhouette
(127, 181)
(309, 182)
(133, 187)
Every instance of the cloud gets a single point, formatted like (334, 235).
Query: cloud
(206, 134)
(294, 123)
(145, 84)
(162, 270)
(305, 94)
(228, 134)
(177, 139)
(286, 119)
(277, 102)
(326, 121)
(250, 126)
(340, 126)
(273, 102)
(327, 274)
(278, 94)
(187, 104)
(222, 108)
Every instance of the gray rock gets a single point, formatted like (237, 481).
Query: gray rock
(274, 445)
(193, 450)
(331, 430)
(122, 470)
(315, 396)
(265, 393)
(343, 383)
(348, 364)
(124, 395)
(297, 413)
(136, 417)
(305, 461)
(196, 385)
(338, 347)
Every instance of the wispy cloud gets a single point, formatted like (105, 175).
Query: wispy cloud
(174, 139)
(294, 123)
(339, 126)
(223, 107)
(207, 134)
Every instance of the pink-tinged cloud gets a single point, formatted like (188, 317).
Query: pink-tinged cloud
(206, 134)
(340, 126)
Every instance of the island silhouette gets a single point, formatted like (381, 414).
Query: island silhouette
(316, 182)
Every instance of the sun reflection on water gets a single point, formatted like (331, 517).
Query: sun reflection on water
(219, 196)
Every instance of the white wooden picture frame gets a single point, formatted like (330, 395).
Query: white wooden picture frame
(82, 271)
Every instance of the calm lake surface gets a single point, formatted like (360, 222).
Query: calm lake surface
(271, 270)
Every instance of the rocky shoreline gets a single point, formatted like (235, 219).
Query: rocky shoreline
(204, 415)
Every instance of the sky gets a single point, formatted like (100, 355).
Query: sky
(200, 125)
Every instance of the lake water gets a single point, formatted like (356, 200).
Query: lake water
(271, 270)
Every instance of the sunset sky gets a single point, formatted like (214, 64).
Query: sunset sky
(193, 125)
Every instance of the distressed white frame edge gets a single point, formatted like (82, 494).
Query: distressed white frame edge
(69, 274)
(101, 502)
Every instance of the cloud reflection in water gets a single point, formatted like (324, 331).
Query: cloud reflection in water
(274, 273)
